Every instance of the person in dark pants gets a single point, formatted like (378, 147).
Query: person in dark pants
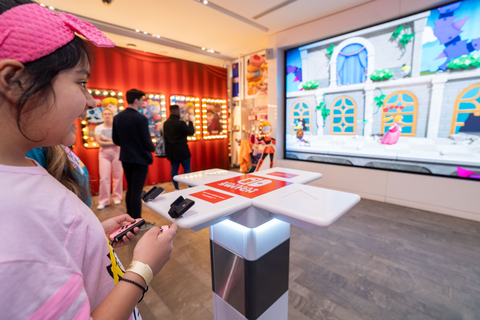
(175, 133)
(130, 132)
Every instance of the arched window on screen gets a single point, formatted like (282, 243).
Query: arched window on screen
(343, 116)
(352, 64)
(402, 103)
(466, 112)
(301, 113)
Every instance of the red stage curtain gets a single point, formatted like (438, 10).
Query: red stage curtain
(123, 69)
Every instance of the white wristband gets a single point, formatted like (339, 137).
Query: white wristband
(142, 270)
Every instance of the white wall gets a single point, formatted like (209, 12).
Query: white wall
(449, 196)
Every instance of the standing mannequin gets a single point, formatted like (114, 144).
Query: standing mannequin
(109, 162)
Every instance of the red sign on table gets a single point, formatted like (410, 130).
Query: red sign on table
(248, 185)
(211, 196)
(283, 174)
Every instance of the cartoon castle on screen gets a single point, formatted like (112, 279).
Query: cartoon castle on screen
(424, 67)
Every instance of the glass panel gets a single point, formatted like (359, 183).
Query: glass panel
(110, 99)
(336, 111)
(466, 106)
(337, 120)
(304, 106)
(349, 129)
(410, 108)
(471, 93)
(155, 111)
(348, 102)
(214, 119)
(296, 114)
(350, 111)
(407, 98)
(393, 99)
(337, 130)
(338, 103)
(349, 120)
(306, 113)
(462, 117)
(408, 118)
(406, 129)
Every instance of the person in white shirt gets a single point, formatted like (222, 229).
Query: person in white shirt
(111, 172)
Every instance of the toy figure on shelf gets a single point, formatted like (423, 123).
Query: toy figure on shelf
(265, 131)
(391, 137)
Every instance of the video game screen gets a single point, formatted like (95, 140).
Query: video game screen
(402, 95)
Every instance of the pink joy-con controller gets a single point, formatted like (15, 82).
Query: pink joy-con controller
(123, 230)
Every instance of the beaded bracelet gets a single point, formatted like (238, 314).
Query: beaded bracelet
(138, 285)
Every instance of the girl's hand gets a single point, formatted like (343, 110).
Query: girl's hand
(155, 248)
(114, 223)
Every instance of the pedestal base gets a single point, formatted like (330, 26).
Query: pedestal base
(277, 311)
(250, 276)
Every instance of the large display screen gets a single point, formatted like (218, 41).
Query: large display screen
(403, 95)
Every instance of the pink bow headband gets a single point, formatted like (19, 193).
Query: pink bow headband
(30, 31)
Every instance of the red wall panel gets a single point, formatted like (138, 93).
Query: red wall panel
(123, 69)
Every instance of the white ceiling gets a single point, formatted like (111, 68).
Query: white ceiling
(193, 23)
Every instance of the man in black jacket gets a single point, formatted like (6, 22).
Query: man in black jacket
(130, 132)
(175, 133)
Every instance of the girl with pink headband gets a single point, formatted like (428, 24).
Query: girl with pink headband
(55, 259)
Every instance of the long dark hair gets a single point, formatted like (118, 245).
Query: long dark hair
(40, 73)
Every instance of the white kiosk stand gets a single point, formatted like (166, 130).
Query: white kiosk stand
(249, 218)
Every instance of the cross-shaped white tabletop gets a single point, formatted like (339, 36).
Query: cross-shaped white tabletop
(279, 192)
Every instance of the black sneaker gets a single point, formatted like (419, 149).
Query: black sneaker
(147, 226)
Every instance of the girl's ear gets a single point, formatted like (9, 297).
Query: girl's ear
(11, 71)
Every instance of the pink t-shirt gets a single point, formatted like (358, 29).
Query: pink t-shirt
(54, 256)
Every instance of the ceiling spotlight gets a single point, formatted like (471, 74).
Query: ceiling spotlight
(137, 30)
(51, 8)
(205, 2)
(145, 32)
(203, 48)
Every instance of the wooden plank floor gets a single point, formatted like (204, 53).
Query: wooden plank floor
(379, 261)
